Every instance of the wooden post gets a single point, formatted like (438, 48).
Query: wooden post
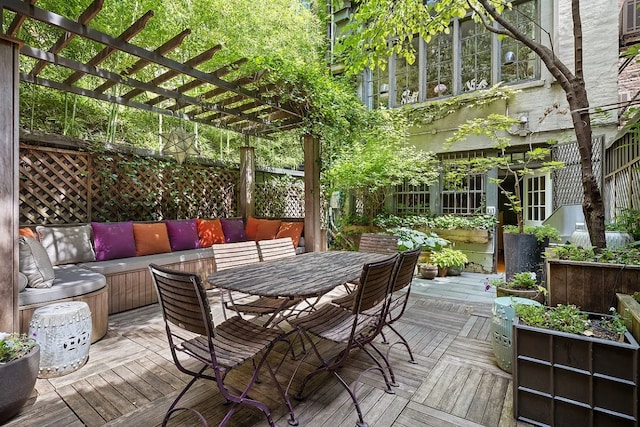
(247, 181)
(9, 148)
(312, 220)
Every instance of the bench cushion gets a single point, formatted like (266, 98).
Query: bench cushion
(70, 281)
(67, 245)
(114, 266)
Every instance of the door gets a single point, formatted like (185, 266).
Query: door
(537, 198)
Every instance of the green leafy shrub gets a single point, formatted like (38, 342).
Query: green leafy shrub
(449, 257)
(522, 280)
(14, 346)
(541, 232)
(447, 222)
(628, 255)
(409, 239)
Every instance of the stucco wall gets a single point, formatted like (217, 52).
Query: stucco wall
(544, 101)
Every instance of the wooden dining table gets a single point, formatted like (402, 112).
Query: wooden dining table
(307, 275)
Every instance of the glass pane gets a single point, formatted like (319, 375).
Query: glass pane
(476, 56)
(440, 65)
(407, 80)
(518, 61)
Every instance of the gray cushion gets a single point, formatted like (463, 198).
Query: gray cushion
(23, 281)
(71, 281)
(67, 245)
(35, 263)
(114, 266)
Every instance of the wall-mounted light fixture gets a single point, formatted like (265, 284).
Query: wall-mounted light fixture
(179, 144)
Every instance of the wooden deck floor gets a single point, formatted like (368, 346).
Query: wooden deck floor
(130, 379)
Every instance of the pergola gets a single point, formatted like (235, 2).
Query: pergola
(246, 105)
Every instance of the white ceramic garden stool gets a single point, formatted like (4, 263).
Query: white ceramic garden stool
(63, 331)
(502, 326)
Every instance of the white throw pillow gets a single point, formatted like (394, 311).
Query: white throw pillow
(67, 245)
(35, 264)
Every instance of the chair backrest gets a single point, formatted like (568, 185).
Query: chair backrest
(378, 243)
(230, 255)
(184, 306)
(405, 269)
(374, 284)
(276, 249)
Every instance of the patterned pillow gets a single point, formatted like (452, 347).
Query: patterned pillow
(35, 263)
(233, 230)
(210, 232)
(67, 245)
(151, 238)
(183, 234)
(291, 229)
(113, 240)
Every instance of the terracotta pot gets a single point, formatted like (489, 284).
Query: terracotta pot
(442, 271)
(18, 379)
(533, 294)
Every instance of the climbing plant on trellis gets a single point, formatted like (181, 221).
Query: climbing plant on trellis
(280, 197)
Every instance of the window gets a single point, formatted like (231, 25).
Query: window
(462, 194)
(518, 61)
(537, 200)
(378, 89)
(475, 56)
(407, 78)
(440, 66)
(411, 199)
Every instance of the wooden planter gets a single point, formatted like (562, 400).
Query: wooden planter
(591, 286)
(567, 379)
(629, 310)
(463, 235)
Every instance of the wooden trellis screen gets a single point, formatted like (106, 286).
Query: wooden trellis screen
(567, 181)
(62, 186)
(622, 174)
(280, 198)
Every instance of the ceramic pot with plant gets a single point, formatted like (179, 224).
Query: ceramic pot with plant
(19, 363)
(448, 257)
(523, 285)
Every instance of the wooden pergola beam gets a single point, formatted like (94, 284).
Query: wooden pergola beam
(89, 13)
(126, 35)
(167, 47)
(17, 22)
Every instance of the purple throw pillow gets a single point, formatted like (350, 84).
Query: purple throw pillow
(183, 234)
(233, 230)
(113, 240)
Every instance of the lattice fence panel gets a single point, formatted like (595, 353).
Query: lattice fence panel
(622, 189)
(162, 190)
(567, 182)
(280, 198)
(635, 186)
(54, 186)
(609, 188)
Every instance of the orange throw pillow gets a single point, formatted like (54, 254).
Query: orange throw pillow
(27, 232)
(209, 232)
(251, 229)
(151, 238)
(267, 229)
(291, 229)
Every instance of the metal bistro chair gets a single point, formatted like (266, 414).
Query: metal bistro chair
(186, 311)
(231, 255)
(402, 280)
(374, 243)
(351, 327)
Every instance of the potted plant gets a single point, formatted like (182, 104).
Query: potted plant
(523, 248)
(573, 368)
(447, 258)
(523, 285)
(19, 363)
(409, 239)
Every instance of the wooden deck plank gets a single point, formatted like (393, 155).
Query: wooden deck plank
(87, 414)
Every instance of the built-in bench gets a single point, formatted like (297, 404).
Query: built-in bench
(112, 285)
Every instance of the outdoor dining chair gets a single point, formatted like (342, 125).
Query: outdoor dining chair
(374, 243)
(273, 249)
(400, 290)
(231, 255)
(191, 332)
(351, 328)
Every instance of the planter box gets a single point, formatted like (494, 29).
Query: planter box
(463, 235)
(572, 380)
(629, 310)
(591, 286)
